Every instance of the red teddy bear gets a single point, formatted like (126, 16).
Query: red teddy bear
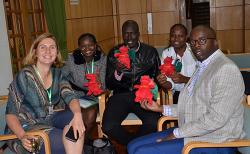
(94, 87)
(123, 56)
(167, 68)
(144, 89)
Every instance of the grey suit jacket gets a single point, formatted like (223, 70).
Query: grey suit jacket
(214, 112)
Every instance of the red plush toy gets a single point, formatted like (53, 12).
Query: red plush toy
(167, 68)
(123, 56)
(94, 87)
(144, 89)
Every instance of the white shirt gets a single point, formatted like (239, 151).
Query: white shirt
(188, 64)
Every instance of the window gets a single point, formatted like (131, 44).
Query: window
(25, 21)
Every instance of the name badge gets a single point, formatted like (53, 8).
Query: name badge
(51, 110)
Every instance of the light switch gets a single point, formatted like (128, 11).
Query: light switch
(74, 2)
(150, 24)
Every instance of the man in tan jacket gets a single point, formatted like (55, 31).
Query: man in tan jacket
(209, 107)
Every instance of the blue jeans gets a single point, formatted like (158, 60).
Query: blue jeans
(59, 121)
(148, 145)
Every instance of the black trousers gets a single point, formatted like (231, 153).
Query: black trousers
(117, 109)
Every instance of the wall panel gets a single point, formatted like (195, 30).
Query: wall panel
(220, 3)
(130, 6)
(247, 26)
(165, 13)
(162, 22)
(247, 17)
(229, 18)
(247, 41)
(74, 29)
(107, 44)
(213, 17)
(105, 19)
(137, 18)
(98, 8)
(144, 38)
(231, 40)
(69, 34)
(93, 16)
(163, 5)
(73, 11)
(159, 40)
(102, 27)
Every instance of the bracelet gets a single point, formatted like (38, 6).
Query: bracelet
(118, 77)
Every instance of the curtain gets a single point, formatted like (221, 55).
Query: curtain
(56, 22)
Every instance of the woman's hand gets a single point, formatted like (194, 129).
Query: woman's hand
(152, 107)
(78, 125)
(162, 80)
(179, 78)
(26, 142)
(77, 121)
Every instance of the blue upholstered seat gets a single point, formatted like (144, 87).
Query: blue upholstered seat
(241, 60)
(3, 124)
(2, 120)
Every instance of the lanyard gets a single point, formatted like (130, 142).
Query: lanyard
(48, 91)
(92, 67)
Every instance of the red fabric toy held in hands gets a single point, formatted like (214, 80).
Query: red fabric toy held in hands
(94, 87)
(167, 68)
(144, 89)
(123, 56)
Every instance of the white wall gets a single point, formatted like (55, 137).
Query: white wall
(5, 61)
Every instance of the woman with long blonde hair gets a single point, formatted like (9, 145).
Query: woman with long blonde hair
(37, 88)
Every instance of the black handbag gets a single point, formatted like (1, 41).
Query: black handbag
(100, 146)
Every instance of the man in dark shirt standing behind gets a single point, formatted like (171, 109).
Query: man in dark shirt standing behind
(121, 80)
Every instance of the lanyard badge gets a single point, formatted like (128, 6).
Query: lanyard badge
(48, 91)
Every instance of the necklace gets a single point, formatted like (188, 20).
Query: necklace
(48, 91)
(92, 67)
(139, 45)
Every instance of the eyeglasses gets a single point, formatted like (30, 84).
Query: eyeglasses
(201, 41)
(89, 46)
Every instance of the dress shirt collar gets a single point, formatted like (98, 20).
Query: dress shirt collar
(208, 60)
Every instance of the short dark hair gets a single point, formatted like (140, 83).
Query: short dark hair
(132, 23)
(181, 26)
(209, 30)
(86, 36)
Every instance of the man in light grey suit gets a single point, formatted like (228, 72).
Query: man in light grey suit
(209, 107)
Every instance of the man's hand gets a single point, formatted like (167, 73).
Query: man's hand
(167, 138)
(120, 67)
(179, 78)
(152, 107)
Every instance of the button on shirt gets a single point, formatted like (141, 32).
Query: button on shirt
(201, 67)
